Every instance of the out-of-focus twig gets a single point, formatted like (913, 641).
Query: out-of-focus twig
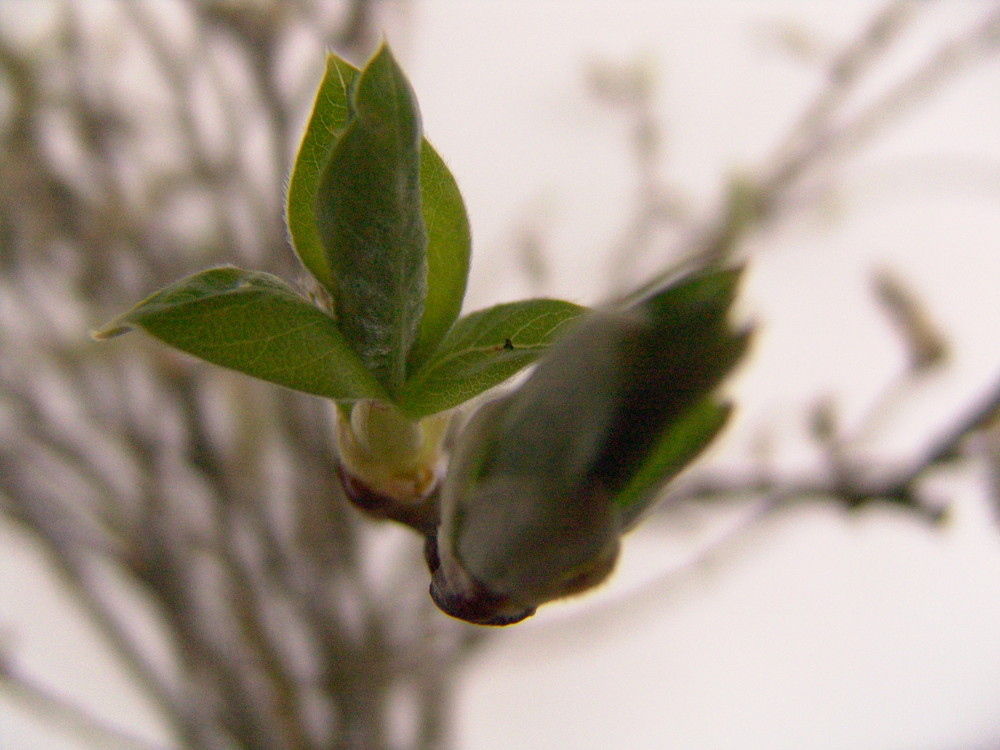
(832, 141)
(214, 497)
(66, 714)
(811, 131)
(823, 137)
(925, 345)
(859, 484)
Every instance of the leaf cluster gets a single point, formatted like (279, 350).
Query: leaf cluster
(377, 219)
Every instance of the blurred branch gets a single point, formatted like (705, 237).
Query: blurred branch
(925, 346)
(984, 415)
(213, 169)
(71, 568)
(852, 484)
(357, 31)
(65, 714)
(818, 142)
(846, 72)
(214, 498)
(824, 142)
(631, 88)
(762, 494)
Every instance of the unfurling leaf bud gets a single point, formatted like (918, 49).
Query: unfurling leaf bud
(545, 479)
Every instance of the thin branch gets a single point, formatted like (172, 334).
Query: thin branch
(753, 202)
(981, 416)
(854, 485)
(210, 168)
(845, 74)
(773, 493)
(61, 712)
(103, 616)
(832, 144)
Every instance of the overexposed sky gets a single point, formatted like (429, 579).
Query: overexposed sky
(819, 631)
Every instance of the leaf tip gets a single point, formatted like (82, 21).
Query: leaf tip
(112, 330)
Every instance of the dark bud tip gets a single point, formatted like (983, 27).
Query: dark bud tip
(479, 607)
(420, 516)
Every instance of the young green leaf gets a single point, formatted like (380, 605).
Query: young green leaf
(368, 212)
(329, 116)
(448, 250)
(255, 323)
(482, 350)
(447, 225)
(687, 350)
(675, 449)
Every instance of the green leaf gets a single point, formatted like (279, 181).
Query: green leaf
(690, 349)
(688, 301)
(447, 225)
(329, 116)
(448, 249)
(482, 350)
(255, 323)
(368, 212)
(682, 443)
